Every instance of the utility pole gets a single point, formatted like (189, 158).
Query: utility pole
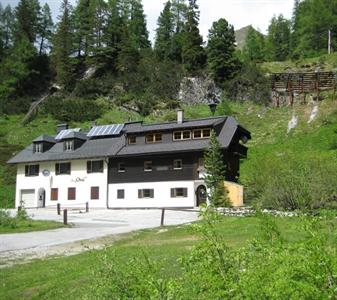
(329, 42)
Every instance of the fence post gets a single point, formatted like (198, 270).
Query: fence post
(87, 207)
(65, 217)
(162, 217)
(58, 208)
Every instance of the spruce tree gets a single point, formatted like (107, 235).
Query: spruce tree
(46, 27)
(7, 25)
(220, 51)
(137, 26)
(215, 173)
(254, 48)
(82, 27)
(98, 11)
(193, 54)
(62, 45)
(27, 14)
(164, 33)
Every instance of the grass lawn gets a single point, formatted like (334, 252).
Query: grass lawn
(69, 277)
(30, 225)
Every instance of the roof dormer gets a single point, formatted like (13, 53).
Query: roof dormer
(73, 140)
(43, 143)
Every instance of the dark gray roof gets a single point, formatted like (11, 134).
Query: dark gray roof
(116, 146)
(75, 135)
(139, 127)
(44, 138)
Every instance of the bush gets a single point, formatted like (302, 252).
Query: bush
(269, 268)
(6, 220)
(292, 181)
(77, 110)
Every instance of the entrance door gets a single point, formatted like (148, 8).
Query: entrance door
(42, 198)
(201, 195)
(28, 198)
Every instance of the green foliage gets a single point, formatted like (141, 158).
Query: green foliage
(45, 29)
(215, 173)
(77, 110)
(254, 48)
(291, 181)
(220, 51)
(278, 40)
(193, 54)
(249, 84)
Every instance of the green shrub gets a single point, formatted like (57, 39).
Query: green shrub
(77, 110)
(6, 220)
(292, 181)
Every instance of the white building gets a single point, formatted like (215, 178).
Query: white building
(128, 165)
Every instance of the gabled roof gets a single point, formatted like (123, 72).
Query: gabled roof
(227, 128)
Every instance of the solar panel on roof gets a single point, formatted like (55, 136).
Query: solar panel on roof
(65, 132)
(105, 130)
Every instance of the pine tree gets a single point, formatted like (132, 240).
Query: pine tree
(137, 26)
(193, 54)
(46, 27)
(82, 27)
(278, 40)
(114, 27)
(164, 33)
(220, 51)
(62, 45)
(27, 15)
(98, 11)
(215, 173)
(254, 48)
(7, 24)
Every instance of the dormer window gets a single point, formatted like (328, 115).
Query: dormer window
(69, 145)
(182, 135)
(132, 140)
(153, 138)
(38, 147)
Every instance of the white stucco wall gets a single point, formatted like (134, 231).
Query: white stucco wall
(162, 195)
(79, 179)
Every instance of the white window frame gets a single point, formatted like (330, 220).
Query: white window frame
(202, 133)
(154, 138)
(174, 164)
(181, 132)
(69, 145)
(38, 148)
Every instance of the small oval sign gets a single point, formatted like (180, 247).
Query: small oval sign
(45, 172)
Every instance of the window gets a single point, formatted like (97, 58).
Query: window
(69, 145)
(182, 135)
(95, 166)
(32, 170)
(177, 164)
(62, 168)
(54, 194)
(146, 193)
(94, 193)
(71, 193)
(120, 194)
(121, 167)
(153, 138)
(148, 166)
(178, 192)
(201, 133)
(132, 139)
(38, 148)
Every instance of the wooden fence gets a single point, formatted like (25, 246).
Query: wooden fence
(302, 84)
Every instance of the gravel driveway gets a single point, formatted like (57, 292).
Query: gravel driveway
(90, 230)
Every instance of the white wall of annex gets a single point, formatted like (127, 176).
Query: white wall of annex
(79, 179)
(162, 195)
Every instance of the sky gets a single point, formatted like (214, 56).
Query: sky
(239, 13)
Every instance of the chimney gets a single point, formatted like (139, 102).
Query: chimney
(61, 127)
(180, 116)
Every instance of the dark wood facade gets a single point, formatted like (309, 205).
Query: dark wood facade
(162, 168)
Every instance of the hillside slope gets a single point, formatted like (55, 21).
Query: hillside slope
(268, 126)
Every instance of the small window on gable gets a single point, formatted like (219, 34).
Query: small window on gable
(32, 170)
(121, 167)
(177, 164)
(120, 194)
(151, 138)
(38, 147)
(132, 140)
(148, 166)
(95, 166)
(69, 145)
